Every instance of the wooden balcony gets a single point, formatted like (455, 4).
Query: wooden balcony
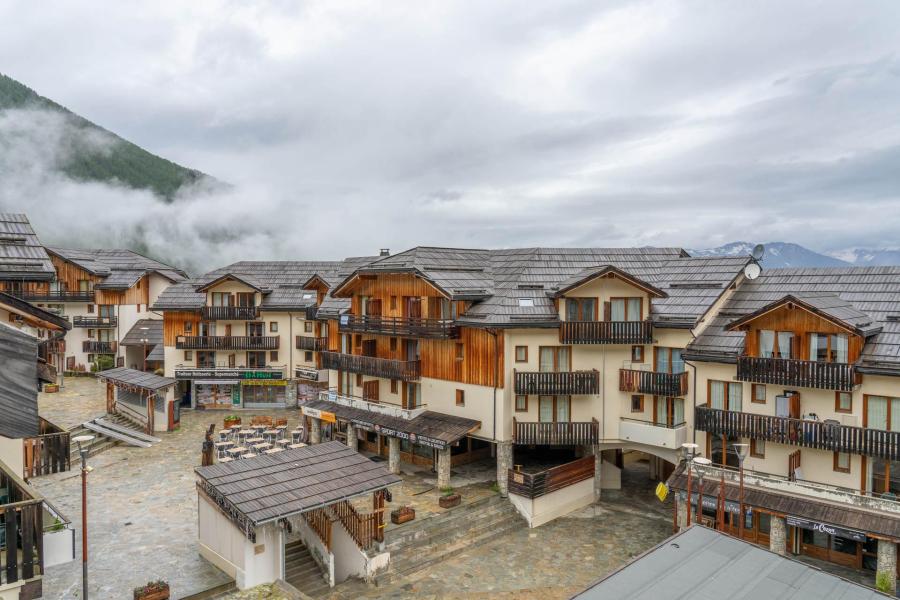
(95, 347)
(556, 434)
(652, 382)
(226, 342)
(535, 485)
(406, 370)
(400, 326)
(95, 322)
(549, 383)
(46, 453)
(22, 510)
(833, 437)
(797, 373)
(606, 332)
(229, 313)
(53, 296)
(316, 344)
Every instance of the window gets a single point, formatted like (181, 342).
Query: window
(413, 395)
(393, 302)
(668, 412)
(188, 355)
(393, 344)
(90, 333)
(359, 380)
(581, 309)
(84, 285)
(668, 360)
(758, 448)
(637, 354)
(256, 359)
(188, 327)
(775, 344)
(725, 395)
(637, 403)
(521, 403)
(460, 398)
(521, 353)
(273, 327)
(555, 359)
(828, 347)
(308, 356)
(526, 302)
(460, 351)
(221, 299)
(553, 409)
(308, 327)
(138, 308)
(625, 309)
(273, 355)
(394, 386)
(758, 393)
(843, 402)
(841, 462)
(90, 308)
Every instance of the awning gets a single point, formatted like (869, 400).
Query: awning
(134, 379)
(217, 382)
(433, 429)
(158, 353)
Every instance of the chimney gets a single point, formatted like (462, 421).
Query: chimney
(384, 252)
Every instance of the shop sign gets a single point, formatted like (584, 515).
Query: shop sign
(712, 503)
(227, 374)
(345, 319)
(420, 440)
(264, 382)
(315, 413)
(364, 425)
(235, 395)
(857, 536)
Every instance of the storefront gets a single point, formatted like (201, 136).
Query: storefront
(310, 382)
(216, 394)
(229, 389)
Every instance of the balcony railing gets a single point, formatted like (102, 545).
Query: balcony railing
(95, 322)
(383, 408)
(229, 313)
(797, 432)
(52, 296)
(796, 373)
(95, 347)
(606, 332)
(535, 485)
(400, 326)
(653, 382)
(22, 509)
(653, 434)
(46, 453)
(549, 383)
(406, 370)
(317, 344)
(556, 434)
(226, 342)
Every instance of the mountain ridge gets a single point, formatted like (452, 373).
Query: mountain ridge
(780, 255)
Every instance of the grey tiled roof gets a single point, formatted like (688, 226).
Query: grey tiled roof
(133, 377)
(22, 256)
(856, 295)
(145, 329)
(120, 269)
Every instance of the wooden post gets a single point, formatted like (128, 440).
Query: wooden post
(206, 455)
(378, 509)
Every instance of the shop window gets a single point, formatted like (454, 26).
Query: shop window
(637, 354)
(308, 356)
(189, 355)
(273, 327)
(521, 403)
(758, 393)
(843, 402)
(758, 448)
(637, 403)
(521, 353)
(308, 327)
(460, 398)
(764, 521)
(841, 462)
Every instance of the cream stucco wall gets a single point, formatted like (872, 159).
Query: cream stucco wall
(12, 454)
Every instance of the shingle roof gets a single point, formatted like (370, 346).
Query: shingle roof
(135, 378)
(857, 294)
(18, 305)
(18, 382)
(703, 563)
(274, 486)
(22, 257)
(150, 330)
(120, 269)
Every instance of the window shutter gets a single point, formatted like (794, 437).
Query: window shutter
(795, 347)
(607, 311)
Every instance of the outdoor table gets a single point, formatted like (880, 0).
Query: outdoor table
(249, 455)
(237, 451)
(262, 446)
(283, 443)
(254, 440)
(274, 450)
(296, 435)
(299, 445)
(224, 434)
(270, 433)
(225, 459)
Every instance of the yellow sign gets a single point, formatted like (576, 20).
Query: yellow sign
(328, 417)
(264, 382)
(315, 413)
(662, 491)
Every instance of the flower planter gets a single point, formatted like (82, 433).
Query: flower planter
(450, 500)
(402, 515)
(51, 388)
(152, 592)
(232, 422)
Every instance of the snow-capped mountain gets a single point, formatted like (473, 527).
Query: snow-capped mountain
(777, 255)
(868, 257)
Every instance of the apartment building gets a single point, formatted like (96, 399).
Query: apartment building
(442, 356)
(802, 365)
(244, 336)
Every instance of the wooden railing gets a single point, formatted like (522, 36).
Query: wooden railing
(226, 342)
(22, 515)
(606, 332)
(317, 344)
(229, 313)
(406, 370)
(556, 434)
(834, 437)
(320, 522)
(363, 528)
(535, 485)
(400, 326)
(54, 296)
(653, 382)
(46, 453)
(95, 347)
(96, 322)
(51, 346)
(796, 373)
(551, 383)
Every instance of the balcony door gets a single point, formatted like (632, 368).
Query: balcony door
(581, 309)
(411, 349)
(105, 335)
(824, 347)
(883, 413)
(222, 299)
(106, 311)
(413, 307)
(369, 348)
(206, 359)
(256, 359)
(555, 359)
(370, 390)
(668, 412)
(206, 329)
(726, 395)
(245, 299)
(625, 309)
(776, 344)
(668, 360)
(554, 409)
(255, 329)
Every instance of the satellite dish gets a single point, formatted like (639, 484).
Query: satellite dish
(752, 271)
(758, 251)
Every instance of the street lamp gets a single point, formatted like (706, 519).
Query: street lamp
(741, 450)
(701, 464)
(84, 444)
(689, 450)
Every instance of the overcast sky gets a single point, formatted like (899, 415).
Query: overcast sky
(350, 126)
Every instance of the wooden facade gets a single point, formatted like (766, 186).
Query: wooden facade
(174, 325)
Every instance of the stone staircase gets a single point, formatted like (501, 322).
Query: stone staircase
(302, 571)
(424, 542)
(100, 442)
